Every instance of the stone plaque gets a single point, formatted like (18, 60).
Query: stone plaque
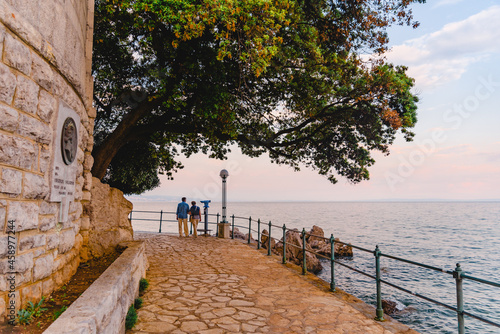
(69, 141)
(62, 185)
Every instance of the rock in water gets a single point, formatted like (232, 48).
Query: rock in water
(389, 306)
(315, 235)
(294, 251)
(312, 263)
(392, 306)
(315, 242)
(264, 240)
(238, 234)
(325, 249)
(264, 237)
(293, 243)
(342, 250)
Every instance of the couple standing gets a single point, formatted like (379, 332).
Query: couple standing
(183, 210)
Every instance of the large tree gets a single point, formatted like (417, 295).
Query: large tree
(303, 80)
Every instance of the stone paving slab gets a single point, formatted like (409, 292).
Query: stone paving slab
(208, 285)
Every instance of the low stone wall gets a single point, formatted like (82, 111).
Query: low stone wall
(103, 306)
(108, 224)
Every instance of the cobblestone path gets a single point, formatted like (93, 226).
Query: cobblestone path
(209, 285)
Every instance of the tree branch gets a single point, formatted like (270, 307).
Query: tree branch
(104, 153)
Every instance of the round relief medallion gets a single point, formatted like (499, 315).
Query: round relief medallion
(69, 141)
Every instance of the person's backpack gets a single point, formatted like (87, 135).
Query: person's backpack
(195, 211)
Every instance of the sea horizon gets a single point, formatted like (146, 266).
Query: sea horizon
(170, 198)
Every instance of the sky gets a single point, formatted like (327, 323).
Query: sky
(454, 57)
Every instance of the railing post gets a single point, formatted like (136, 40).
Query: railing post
(258, 233)
(131, 216)
(232, 234)
(269, 241)
(304, 264)
(217, 226)
(332, 263)
(161, 216)
(205, 213)
(284, 244)
(457, 274)
(380, 311)
(249, 229)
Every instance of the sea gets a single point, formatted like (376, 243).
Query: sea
(439, 234)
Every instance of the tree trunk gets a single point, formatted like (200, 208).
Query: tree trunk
(104, 153)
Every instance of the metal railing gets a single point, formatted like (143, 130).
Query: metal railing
(162, 218)
(456, 274)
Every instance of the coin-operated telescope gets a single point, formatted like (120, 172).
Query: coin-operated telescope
(205, 212)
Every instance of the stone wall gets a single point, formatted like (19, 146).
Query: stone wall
(45, 59)
(109, 223)
(103, 306)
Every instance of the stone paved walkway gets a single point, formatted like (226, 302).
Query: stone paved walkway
(208, 285)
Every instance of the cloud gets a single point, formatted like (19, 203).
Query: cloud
(439, 129)
(493, 158)
(445, 55)
(439, 71)
(458, 150)
(447, 2)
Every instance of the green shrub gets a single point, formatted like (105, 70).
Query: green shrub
(37, 308)
(58, 313)
(138, 303)
(143, 285)
(131, 318)
(25, 316)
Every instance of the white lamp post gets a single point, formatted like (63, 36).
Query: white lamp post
(224, 174)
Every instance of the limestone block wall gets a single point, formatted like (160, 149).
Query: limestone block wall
(103, 306)
(109, 224)
(45, 59)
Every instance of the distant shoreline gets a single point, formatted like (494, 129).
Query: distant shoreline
(177, 199)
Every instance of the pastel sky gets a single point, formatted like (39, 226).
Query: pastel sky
(454, 57)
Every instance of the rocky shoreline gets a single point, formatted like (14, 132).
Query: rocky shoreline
(316, 243)
(317, 246)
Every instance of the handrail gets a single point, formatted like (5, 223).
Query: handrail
(420, 296)
(457, 273)
(480, 280)
(151, 211)
(154, 220)
(418, 264)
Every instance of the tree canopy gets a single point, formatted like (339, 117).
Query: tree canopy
(304, 81)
